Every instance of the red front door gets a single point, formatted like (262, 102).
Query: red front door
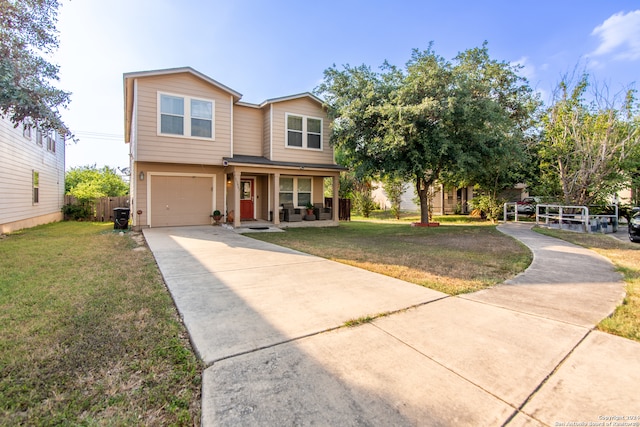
(246, 199)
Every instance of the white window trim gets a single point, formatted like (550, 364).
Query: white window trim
(35, 187)
(26, 129)
(187, 117)
(50, 138)
(304, 132)
(39, 137)
(296, 189)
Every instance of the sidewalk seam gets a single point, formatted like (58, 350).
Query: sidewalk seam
(342, 326)
(449, 369)
(521, 311)
(545, 381)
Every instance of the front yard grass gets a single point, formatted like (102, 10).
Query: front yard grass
(89, 334)
(454, 259)
(625, 321)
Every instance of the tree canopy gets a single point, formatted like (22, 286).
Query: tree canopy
(588, 150)
(27, 35)
(434, 119)
(88, 183)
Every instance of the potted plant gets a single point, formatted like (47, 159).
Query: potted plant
(217, 216)
(309, 207)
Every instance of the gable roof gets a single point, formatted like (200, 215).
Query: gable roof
(189, 70)
(308, 95)
(292, 97)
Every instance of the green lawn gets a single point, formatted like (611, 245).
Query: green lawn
(453, 259)
(89, 334)
(625, 321)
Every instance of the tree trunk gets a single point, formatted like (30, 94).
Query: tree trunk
(422, 188)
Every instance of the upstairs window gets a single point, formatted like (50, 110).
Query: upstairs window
(304, 132)
(294, 131)
(51, 142)
(171, 115)
(314, 133)
(26, 130)
(201, 118)
(39, 137)
(185, 116)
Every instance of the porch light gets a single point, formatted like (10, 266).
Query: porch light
(141, 176)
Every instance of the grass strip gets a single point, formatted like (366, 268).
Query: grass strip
(89, 334)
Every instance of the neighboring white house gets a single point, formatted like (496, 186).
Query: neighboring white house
(445, 201)
(31, 176)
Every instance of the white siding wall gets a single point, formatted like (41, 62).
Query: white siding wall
(19, 157)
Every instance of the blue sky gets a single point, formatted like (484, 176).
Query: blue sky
(267, 49)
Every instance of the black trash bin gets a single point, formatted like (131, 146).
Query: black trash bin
(120, 218)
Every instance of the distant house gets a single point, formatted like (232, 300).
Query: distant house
(31, 176)
(445, 201)
(196, 148)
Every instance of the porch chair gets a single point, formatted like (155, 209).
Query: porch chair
(291, 214)
(321, 212)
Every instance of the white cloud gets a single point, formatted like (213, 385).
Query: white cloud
(619, 35)
(527, 70)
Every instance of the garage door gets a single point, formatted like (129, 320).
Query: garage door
(181, 200)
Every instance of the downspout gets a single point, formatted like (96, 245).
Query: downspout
(134, 201)
(231, 115)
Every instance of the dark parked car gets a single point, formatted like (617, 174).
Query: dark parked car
(634, 228)
(527, 205)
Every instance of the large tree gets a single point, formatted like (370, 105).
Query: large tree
(589, 149)
(88, 183)
(27, 36)
(433, 119)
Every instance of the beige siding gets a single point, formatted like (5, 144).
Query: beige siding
(266, 141)
(19, 157)
(247, 131)
(317, 191)
(151, 147)
(156, 169)
(307, 107)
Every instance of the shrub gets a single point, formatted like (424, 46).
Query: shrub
(76, 211)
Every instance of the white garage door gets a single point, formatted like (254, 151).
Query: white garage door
(181, 200)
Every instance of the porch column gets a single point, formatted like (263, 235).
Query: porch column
(276, 199)
(335, 211)
(442, 199)
(236, 198)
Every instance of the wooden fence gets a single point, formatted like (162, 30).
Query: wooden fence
(102, 208)
(344, 208)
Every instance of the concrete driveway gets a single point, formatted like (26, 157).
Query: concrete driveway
(268, 324)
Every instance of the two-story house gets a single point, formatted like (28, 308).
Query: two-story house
(31, 176)
(196, 148)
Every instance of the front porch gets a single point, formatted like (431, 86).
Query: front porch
(257, 188)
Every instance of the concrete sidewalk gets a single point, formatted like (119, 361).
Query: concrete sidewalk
(267, 322)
